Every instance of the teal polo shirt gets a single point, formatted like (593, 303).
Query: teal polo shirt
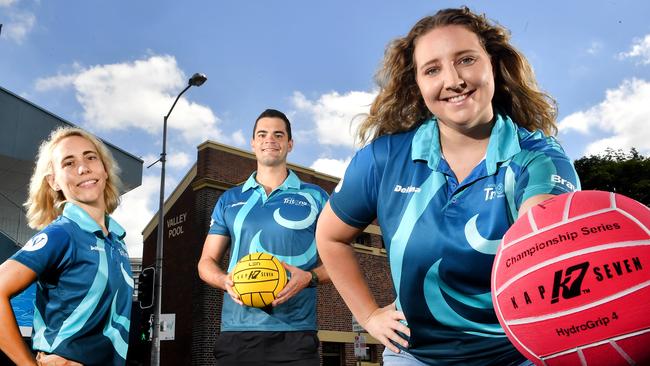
(442, 235)
(84, 289)
(282, 223)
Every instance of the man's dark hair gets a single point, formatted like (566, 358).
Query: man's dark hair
(274, 113)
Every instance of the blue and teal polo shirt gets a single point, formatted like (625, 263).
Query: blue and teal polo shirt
(84, 289)
(282, 224)
(442, 235)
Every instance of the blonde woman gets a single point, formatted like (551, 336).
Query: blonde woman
(78, 259)
(460, 147)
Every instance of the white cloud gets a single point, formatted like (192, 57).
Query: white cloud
(137, 95)
(136, 210)
(179, 160)
(55, 82)
(7, 3)
(578, 121)
(149, 159)
(19, 24)
(595, 48)
(622, 116)
(641, 49)
(335, 167)
(239, 139)
(337, 116)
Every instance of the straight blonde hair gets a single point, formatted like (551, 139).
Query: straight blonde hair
(44, 204)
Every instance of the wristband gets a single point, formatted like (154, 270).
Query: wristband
(314, 279)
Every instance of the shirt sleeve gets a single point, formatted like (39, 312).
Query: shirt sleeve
(547, 172)
(354, 199)
(218, 220)
(323, 198)
(46, 252)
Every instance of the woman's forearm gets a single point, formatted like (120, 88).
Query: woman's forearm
(11, 341)
(343, 268)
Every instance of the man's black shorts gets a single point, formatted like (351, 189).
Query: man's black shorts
(267, 348)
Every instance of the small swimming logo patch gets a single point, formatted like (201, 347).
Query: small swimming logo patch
(36, 242)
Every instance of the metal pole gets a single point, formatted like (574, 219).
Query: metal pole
(155, 342)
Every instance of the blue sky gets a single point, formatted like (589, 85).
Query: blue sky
(114, 67)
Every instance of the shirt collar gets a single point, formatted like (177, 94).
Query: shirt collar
(503, 143)
(85, 222)
(426, 143)
(292, 181)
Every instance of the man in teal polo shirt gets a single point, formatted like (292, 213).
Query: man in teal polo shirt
(276, 213)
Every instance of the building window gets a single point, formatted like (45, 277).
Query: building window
(364, 239)
(333, 354)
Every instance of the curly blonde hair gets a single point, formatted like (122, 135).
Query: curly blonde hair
(399, 105)
(44, 204)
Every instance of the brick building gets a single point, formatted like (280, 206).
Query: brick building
(197, 306)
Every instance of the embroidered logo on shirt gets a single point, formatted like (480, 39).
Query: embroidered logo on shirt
(557, 179)
(97, 248)
(123, 252)
(493, 191)
(35, 243)
(237, 204)
(409, 189)
(295, 202)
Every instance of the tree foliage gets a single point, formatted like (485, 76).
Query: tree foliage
(617, 171)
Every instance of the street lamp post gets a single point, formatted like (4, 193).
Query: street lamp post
(196, 80)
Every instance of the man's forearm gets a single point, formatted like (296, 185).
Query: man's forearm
(212, 274)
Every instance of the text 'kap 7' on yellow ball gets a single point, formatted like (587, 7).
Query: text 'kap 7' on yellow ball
(258, 278)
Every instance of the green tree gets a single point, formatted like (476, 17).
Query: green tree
(617, 171)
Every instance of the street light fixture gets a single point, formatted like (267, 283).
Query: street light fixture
(196, 80)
